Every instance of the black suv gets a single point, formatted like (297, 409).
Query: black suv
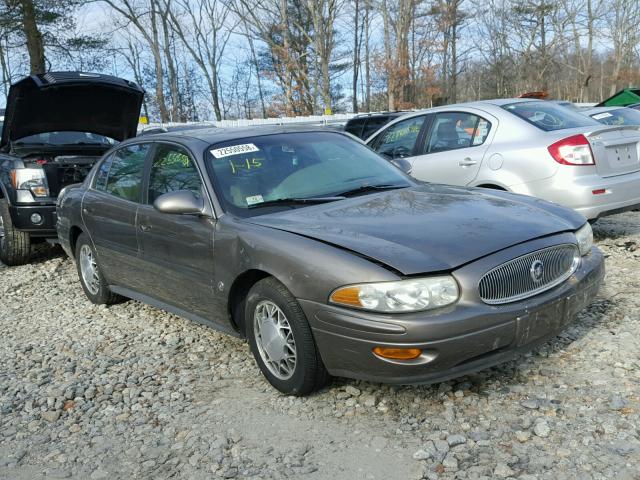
(365, 125)
(56, 126)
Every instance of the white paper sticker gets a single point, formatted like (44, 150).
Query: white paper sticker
(254, 199)
(600, 116)
(234, 150)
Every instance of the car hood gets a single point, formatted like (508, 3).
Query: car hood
(72, 101)
(429, 228)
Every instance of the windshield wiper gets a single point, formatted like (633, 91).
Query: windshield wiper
(296, 201)
(371, 188)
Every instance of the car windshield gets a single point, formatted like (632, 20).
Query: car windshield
(549, 116)
(296, 169)
(619, 116)
(66, 138)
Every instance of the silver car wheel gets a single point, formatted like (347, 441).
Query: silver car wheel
(1, 230)
(89, 269)
(274, 339)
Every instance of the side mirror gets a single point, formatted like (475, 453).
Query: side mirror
(179, 202)
(402, 164)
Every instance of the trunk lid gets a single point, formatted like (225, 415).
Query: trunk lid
(71, 101)
(615, 150)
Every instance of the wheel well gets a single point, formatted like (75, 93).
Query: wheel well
(493, 187)
(74, 233)
(238, 294)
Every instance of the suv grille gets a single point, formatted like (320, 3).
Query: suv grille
(529, 274)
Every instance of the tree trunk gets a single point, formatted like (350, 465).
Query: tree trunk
(389, 65)
(35, 47)
(356, 55)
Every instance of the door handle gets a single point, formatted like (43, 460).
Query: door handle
(467, 162)
(145, 228)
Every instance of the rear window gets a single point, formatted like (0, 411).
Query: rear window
(67, 138)
(354, 127)
(619, 116)
(376, 123)
(549, 116)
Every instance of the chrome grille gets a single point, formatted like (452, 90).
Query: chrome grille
(514, 280)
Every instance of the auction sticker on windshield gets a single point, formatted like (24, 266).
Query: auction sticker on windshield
(234, 150)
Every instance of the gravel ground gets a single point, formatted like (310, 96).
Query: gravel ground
(130, 391)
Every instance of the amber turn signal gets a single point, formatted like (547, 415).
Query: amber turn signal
(398, 353)
(347, 296)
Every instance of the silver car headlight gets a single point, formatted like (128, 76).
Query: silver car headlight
(410, 295)
(584, 235)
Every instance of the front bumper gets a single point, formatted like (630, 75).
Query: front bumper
(21, 218)
(456, 340)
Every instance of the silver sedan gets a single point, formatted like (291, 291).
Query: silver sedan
(530, 147)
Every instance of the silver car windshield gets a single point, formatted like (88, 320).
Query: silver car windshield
(619, 116)
(295, 169)
(549, 116)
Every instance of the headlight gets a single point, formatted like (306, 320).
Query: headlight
(403, 296)
(32, 179)
(585, 238)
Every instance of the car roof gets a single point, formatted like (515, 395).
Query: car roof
(216, 135)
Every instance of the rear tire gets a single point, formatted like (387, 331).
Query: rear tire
(15, 246)
(281, 340)
(93, 282)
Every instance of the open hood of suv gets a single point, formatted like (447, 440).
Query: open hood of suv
(72, 101)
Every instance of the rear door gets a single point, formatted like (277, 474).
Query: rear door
(616, 150)
(453, 148)
(109, 210)
(177, 250)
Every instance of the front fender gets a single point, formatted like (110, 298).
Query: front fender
(310, 269)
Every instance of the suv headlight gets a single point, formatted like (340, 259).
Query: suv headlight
(584, 235)
(32, 179)
(410, 295)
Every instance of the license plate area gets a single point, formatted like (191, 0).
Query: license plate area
(542, 322)
(622, 156)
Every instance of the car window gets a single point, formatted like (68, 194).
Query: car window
(453, 130)
(619, 116)
(172, 169)
(400, 138)
(100, 181)
(354, 126)
(250, 171)
(125, 175)
(549, 116)
(374, 124)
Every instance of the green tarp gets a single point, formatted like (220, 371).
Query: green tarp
(627, 96)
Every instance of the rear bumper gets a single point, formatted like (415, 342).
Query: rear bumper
(573, 190)
(485, 335)
(21, 217)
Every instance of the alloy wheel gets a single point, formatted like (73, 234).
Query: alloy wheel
(89, 269)
(274, 339)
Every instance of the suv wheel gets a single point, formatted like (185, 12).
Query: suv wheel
(281, 341)
(15, 246)
(91, 278)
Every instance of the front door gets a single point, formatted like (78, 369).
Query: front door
(109, 210)
(177, 250)
(453, 148)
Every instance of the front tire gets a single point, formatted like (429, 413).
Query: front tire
(93, 282)
(15, 246)
(281, 340)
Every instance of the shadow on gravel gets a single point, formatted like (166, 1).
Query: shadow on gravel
(43, 252)
(616, 226)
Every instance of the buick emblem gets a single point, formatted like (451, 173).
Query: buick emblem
(537, 270)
